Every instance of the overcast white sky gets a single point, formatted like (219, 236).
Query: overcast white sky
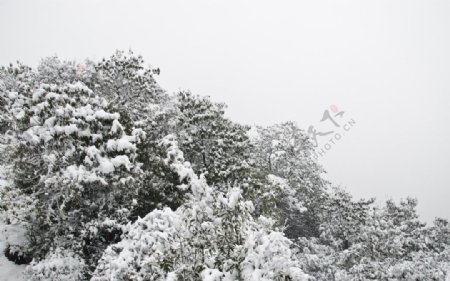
(385, 63)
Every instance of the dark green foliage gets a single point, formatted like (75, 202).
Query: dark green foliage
(17, 255)
(215, 146)
(126, 82)
(284, 150)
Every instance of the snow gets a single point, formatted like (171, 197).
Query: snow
(37, 94)
(59, 264)
(147, 235)
(34, 121)
(50, 122)
(92, 152)
(80, 174)
(215, 275)
(175, 158)
(253, 133)
(266, 255)
(78, 86)
(96, 137)
(19, 114)
(106, 166)
(83, 111)
(122, 144)
(275, 143)
(52, 95)
(70, 129)
(171, 276)
(8, 270)
(116, 127)
(121, 160)
(13, 95)
(233, 197)
(101, 114)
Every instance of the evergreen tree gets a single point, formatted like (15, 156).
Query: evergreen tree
(284, 150)
(86, 170)
(131, 89)
(216, 147)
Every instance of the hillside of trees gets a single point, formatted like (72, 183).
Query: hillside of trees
(107, 177)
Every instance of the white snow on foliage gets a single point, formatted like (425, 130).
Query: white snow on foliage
(81, 123)
(77, 174)
(166, 245)
(175, 158)
(58, 265)
(81, 174)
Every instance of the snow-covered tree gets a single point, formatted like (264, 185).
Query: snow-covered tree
(284, 150)
(343, 218)
(131, 89)
(128, 83)
(213, 236)
(16, 82)
(390, 242)
(106, 176)
(215, 146)
(84, 170)
(383, 244)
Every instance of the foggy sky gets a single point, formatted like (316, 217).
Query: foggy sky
(385, 63)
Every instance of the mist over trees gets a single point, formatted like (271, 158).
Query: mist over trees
(106, 176)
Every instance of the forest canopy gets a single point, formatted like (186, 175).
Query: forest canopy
(109, 177)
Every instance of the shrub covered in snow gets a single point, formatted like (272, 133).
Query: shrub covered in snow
(211, 237)
(59, 264)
